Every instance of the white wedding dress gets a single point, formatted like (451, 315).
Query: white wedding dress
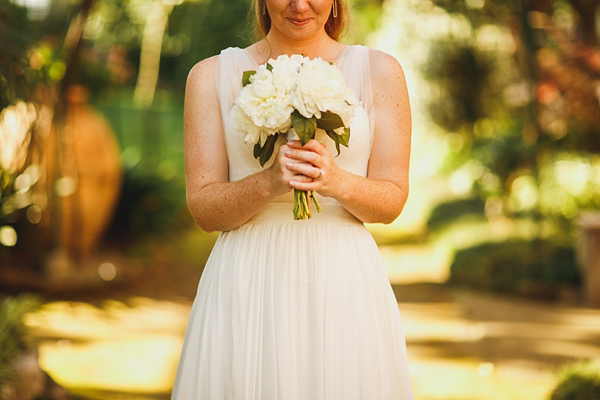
(295, 310)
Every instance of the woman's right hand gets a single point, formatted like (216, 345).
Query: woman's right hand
(280, 175)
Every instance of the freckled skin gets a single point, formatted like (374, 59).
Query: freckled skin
(219, 205)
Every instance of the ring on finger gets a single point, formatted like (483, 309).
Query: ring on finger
(321, 173)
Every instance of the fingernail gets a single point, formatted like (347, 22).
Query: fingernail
(287, 153)
(290, 143)
(288, 164)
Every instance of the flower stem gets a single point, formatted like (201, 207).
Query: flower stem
(302, 204)
(317, 205)
(307, 203)
(296, 205)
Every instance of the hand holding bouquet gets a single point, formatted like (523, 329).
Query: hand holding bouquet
(293, 96)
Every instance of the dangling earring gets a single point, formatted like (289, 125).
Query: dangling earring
(264, 7)
(334, 8)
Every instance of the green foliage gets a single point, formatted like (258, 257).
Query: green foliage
(13, 332)
(503, 155)
(343, 139)
(329, 121)
(579, 381)
(490, 13)
(15, 35)
(526, 267)
(464, 75)
(305, 127)
(94, 76)
(264, 153)
(502, 88)
(208, 27)
(246, 77)
(149, 207)
(366, 15)
(449, 211)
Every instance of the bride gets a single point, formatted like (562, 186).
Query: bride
(287, 309)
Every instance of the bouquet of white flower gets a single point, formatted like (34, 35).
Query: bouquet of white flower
(293, 96)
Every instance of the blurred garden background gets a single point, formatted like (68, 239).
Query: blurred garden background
(495, 260)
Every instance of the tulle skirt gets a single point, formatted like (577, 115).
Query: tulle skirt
(294, 310)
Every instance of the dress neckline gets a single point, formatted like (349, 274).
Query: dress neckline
(336, 62)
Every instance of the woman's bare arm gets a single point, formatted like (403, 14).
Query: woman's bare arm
(215, 203)
(380, 197)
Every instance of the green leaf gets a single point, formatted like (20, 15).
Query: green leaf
(336, 138)
(305, 127)
(345, 137)
(246, 77)
(267, 150)
(269, 67)
(329, 120)
(257, 150)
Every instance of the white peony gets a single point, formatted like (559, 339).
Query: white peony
(321, 87)
(264, 107)
(246, 126)
(268, 104)
(285, 71)
(346, 109)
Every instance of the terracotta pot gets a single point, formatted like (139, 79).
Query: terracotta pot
(89, 176)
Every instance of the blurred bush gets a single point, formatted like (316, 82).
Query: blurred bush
(448, 212)
(579, 381)
(13, 332)
(150, 207)
(539, 268)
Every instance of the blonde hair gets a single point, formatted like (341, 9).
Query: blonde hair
(335, 27)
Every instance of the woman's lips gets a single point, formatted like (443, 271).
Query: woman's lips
(299, 22)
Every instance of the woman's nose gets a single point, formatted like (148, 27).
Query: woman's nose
(300, 5)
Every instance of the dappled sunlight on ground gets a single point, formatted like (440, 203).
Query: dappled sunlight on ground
(462, 344)
(469, 379)
(130, 347)
(487, 347)
(144, 365)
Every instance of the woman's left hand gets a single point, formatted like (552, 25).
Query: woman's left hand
(315, 161)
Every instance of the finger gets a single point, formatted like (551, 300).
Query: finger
(315, 146)
(301, 178)
(298, 144)
(305, 155)
(305, 169)
(293, 161)
(304, 185)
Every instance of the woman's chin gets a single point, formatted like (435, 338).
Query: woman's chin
(299, 32)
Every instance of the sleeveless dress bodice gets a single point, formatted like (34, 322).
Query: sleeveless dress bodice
(354, 65)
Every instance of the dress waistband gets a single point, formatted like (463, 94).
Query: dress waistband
(283, 213)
